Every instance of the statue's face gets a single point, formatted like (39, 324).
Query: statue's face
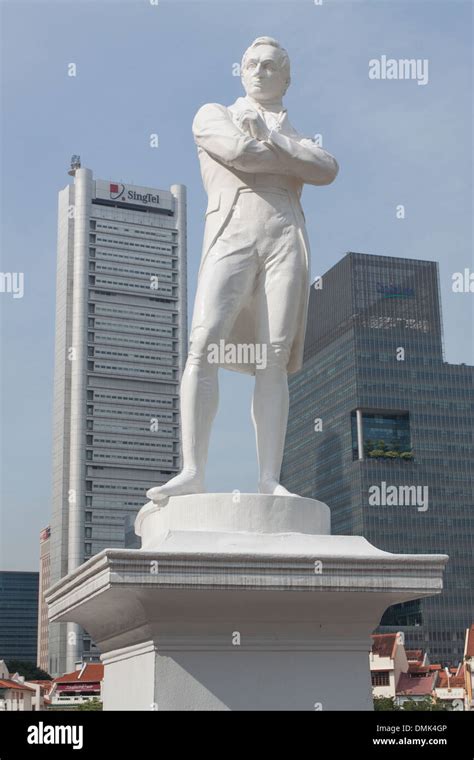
(263, 77)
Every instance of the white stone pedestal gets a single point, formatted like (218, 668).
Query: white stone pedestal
(239, 602)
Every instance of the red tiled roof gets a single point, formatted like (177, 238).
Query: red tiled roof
(44, 685)
(454, 681)
(415, 667)
(93, 672)
(6, 683)
(414, 654)
(469, 648)
(421, 686)
(383, 644)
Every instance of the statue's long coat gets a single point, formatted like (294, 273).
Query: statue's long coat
(231, 160)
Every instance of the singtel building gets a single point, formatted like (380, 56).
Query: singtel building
(381, 429)
(121, 343)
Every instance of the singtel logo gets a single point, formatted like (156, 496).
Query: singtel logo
(146, 198)
(118, 191)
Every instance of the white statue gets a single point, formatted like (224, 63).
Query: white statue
(253, 285)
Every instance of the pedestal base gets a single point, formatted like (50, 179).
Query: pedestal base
(267, 672)
(217, 618)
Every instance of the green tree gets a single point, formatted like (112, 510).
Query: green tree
(424, 705)
(386, 703)
(376, 453)
(27, 669)
(92, 704)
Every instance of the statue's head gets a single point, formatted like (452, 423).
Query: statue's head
(265, 70)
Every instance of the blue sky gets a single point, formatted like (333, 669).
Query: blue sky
(145, 69)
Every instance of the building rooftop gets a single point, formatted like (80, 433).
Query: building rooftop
(414, 655)
(7, 683)
(384, 644)
(455, 682)
(408, 686)
(92, 672)
(415, 669)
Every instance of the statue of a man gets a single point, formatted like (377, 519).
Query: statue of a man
(253, 285)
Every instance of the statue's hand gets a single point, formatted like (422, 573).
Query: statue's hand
(252, 123)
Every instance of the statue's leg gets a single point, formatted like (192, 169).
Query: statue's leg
(270, 416)
(280, 288)
(199, 395)
(224, 283)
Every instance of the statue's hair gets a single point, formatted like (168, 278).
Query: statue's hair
(285, 61)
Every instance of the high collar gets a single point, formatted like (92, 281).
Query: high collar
(244, 103)
(259, 107)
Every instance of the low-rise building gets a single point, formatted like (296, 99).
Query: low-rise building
(450, 688)
(407, 675)
(387, 661)
(25, 694)
(82, 685)
(14, 694)
(417, 688)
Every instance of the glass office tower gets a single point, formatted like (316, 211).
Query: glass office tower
(381, 429)
(18, 615)
(121, 345)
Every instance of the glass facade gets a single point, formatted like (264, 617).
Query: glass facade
(18, 615)
(384, 434)
(376, 404)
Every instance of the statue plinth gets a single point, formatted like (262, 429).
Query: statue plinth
(239, 602)
(209, 521)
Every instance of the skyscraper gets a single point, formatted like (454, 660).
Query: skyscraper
(18, 615)
(381, 429)
(121, 343)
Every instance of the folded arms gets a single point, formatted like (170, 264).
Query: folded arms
(215, 132)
